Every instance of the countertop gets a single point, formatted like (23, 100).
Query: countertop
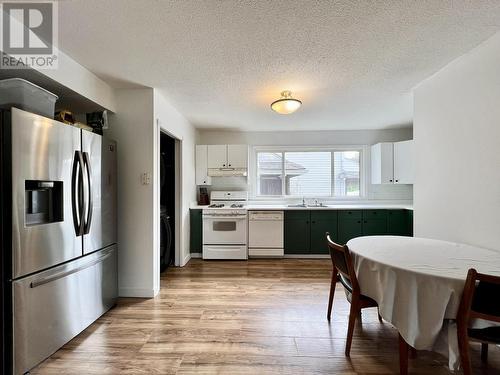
(358, 206)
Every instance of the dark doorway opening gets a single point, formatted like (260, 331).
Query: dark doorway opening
(167, 201)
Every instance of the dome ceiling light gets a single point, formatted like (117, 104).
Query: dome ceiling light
(286, 104)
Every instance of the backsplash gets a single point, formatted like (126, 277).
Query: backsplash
(375, 192)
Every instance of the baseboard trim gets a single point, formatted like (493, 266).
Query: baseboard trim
(299, 256)
(137, 292)
(186, 259)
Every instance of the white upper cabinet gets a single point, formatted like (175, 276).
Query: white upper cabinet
(220, 161)
(403, 162)
(227, 156)
(392, 163)
(237, 156)
(217, 156)
(382, 166)
(201, 161)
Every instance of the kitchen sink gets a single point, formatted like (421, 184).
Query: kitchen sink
(317, 205)
(298, 205)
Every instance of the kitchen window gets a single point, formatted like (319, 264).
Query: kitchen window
(318, 173)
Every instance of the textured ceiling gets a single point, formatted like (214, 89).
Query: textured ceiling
(221, 63)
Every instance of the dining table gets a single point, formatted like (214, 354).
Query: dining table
(418, 284)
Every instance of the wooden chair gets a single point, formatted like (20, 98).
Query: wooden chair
(480, 300)
(343, 266)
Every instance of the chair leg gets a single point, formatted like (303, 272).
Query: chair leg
(379, 316)
(332, 294)
(353, 314)
(463, 346)
(403, 356)
(484, 352)
(413, 352)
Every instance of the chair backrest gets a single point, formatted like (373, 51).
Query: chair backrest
(480, 298)
(342, 261)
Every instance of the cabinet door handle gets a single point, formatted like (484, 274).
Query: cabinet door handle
(229, 164)
(397, 180)
(313, 222)
(359, 222)
(365, 222)
(390, 180)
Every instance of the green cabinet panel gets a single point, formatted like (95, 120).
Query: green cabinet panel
(374, 214)
(348, 228)
(350, 214)
(297, 232)
(321, 215)
(297, 215)
(397, 222)
(374, 227)
(410, 222)
(196, 230)
(318, 233)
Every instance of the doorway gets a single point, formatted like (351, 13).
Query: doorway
(168, 212)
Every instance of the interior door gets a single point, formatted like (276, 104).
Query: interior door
(43, 163)
(99, 155)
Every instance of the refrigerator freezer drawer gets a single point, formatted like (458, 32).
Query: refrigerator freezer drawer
(53, 306)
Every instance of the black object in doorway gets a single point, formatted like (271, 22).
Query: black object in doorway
(167, 200)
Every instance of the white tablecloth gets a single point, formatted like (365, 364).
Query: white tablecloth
(418, 284)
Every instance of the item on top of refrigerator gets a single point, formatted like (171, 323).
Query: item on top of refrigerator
(22, 94)
(98, 121)
(83, 126)
(65, 117)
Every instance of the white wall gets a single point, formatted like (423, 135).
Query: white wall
(81, 80)
(311, 138)
(173, 123)
(457, 135)
(132, 127)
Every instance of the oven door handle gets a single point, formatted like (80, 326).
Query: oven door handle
(225, 217)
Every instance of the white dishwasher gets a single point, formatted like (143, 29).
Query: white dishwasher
(265, 234)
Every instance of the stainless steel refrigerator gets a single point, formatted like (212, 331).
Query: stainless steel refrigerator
(58, 235)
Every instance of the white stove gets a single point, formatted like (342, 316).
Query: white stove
(225, 226)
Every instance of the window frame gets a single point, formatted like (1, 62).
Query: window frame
(363, 172)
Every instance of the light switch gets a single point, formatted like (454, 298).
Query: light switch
(146, 178)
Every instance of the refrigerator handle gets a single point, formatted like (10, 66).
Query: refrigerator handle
(76, 196)
(88, 221)
(60, 275)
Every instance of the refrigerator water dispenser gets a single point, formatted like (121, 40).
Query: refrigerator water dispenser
(43, 202)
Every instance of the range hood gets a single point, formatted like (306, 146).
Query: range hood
(227, 172)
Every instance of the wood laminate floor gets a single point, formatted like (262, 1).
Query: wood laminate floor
(255, 317)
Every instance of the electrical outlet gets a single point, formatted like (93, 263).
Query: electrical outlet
(146, 178)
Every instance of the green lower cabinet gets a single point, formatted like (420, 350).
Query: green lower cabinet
(305, 229)
(410, 222)
(397, 222)
(374, 227)
(349, 228)
(297, 232)
(196, 231)
(322, 222)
